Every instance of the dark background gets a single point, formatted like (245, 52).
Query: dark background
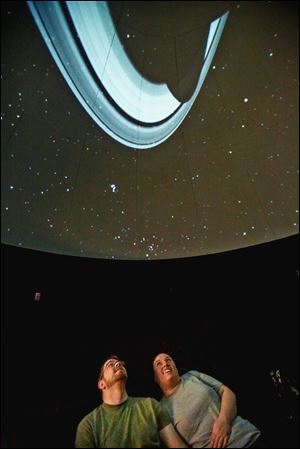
(232, 315)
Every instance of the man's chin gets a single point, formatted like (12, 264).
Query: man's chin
(165, 379)
(121, 375)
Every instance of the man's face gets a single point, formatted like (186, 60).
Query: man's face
(165, 371)
(113, 371)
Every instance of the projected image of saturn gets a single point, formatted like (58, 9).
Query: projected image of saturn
(84, 43)
(145, 130)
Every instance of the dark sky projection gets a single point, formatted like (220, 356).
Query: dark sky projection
(226, 178)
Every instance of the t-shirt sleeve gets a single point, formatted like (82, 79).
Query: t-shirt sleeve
(208, 380)
(84, 435)
(162, 415)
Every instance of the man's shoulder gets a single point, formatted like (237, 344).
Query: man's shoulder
(192, 373)
(145, 404)
(194, 376)
(143, 400)
(90, 417)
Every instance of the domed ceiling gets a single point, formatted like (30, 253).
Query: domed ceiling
(149, 130)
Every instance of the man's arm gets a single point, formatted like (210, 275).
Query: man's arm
(228, 403)
(84, 436)
(222, 425)
(170, 437)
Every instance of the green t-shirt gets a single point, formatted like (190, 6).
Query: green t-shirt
(135, 423)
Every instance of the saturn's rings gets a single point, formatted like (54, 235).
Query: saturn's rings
(84, 43)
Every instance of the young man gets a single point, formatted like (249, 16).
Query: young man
(202, 409)
(123, 421)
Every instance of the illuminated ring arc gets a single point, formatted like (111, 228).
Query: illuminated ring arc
(140, 114)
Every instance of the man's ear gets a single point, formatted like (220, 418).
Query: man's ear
(101, 385)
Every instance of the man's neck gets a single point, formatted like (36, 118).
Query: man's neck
(115, 395)
(168, 390)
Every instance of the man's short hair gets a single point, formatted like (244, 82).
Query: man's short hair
(112, 356)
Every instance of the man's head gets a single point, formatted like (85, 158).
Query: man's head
(165, 372)
(112, 370)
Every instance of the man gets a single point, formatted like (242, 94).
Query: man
(202, 409)
(123, 421)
